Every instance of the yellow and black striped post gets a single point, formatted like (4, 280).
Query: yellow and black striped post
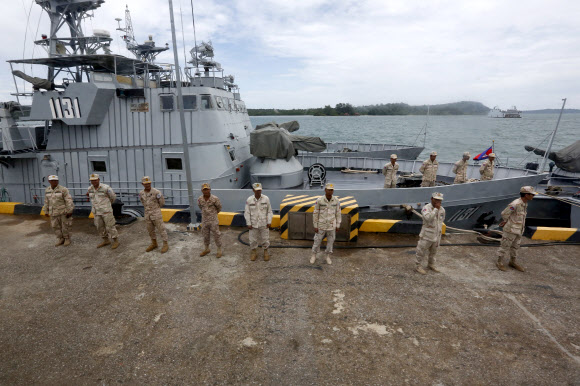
(305, 203)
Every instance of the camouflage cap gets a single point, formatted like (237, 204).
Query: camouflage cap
(205, 186)
(329, 186)
(257, 186)
(53, 178)
(394, 156)
(466, 154)
(528, 190)
(433, 153)
(146, 180)
(94, 177)
(492, 155)
(437, 196)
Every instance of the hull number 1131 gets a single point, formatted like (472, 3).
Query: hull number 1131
(64, 108)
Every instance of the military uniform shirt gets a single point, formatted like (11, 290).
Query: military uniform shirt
(326, 214)
(390, 172)
(209, 208)
(432, 223)
(429, 170)
(258, 213)
(57, 201)
(486, 170)
(101, 199)
(515, 216)
(460, 169)
(153, 201)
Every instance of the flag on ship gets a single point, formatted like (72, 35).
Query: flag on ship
(483, 155)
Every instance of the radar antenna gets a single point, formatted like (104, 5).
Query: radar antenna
(146, 52)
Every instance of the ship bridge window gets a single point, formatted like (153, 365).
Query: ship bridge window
(206, 102)
(173, 163)
(167, 102)
(219, 102)
(99, 166)
(190, 102)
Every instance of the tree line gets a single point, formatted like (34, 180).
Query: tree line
(457, 108)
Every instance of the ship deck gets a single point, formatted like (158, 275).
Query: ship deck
(80, 315)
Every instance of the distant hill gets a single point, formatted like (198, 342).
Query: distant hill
(457, 108)
(551, 111)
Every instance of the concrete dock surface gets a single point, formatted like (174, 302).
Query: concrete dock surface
(80, 315)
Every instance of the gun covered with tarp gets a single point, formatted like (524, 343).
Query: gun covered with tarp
(272, 140)
(567, 159)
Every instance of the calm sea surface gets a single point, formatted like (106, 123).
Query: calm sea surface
(450, 136)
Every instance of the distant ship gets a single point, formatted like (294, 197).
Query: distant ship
(496, 112)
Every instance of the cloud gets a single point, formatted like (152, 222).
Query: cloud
(292, 54)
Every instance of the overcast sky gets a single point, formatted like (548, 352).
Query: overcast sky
(297, 54)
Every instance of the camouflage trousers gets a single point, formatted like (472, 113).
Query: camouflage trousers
(61, 226)
(319, 236)
(259, 236)
(510, 243)
(211, 228)
(427, 184)
(390, 184)
(486, 178)
(156, 224)
(105, 224)
(459, 180)
(425, 247)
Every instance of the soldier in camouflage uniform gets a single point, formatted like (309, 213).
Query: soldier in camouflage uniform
(58, 205)
(153, 200)
(258, 215)
(390, 172)
(429, 170)
(326, 219)
(210, 206)
(486, 169)
(430, 237)
(460, 169)
(102, 196)
(514, 220)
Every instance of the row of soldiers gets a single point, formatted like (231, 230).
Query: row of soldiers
(430, 166)
(258, 215)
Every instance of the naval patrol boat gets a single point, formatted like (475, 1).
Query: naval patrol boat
(98, 112)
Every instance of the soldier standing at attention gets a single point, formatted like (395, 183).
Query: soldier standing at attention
(210, 206)
(390, 172)
(258, 215)
(326, 218)
(460, 169)
(153, 200)
(58, 204)
(514, 219)
(429, 170)
(486, 169)
(102, 196)
(430, 237)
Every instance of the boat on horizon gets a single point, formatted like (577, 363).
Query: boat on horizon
(496, 112)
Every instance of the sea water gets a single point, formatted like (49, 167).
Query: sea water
(450, 136)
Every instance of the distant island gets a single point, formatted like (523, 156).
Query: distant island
(457, 108)
(346, 109)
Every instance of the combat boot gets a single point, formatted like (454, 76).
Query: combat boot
(66, 242)
(105, 242)
(219, 252)
(433, 268)
(328, 261)
(420, 270)
(313, 258)
(516, 266)
(165, 247)
(59, 242)
(253, 255)
(115, 244)
(205, 251)
(266, 255)
(500, 266)
(152, 246)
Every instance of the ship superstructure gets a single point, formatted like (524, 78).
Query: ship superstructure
(117, 116)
